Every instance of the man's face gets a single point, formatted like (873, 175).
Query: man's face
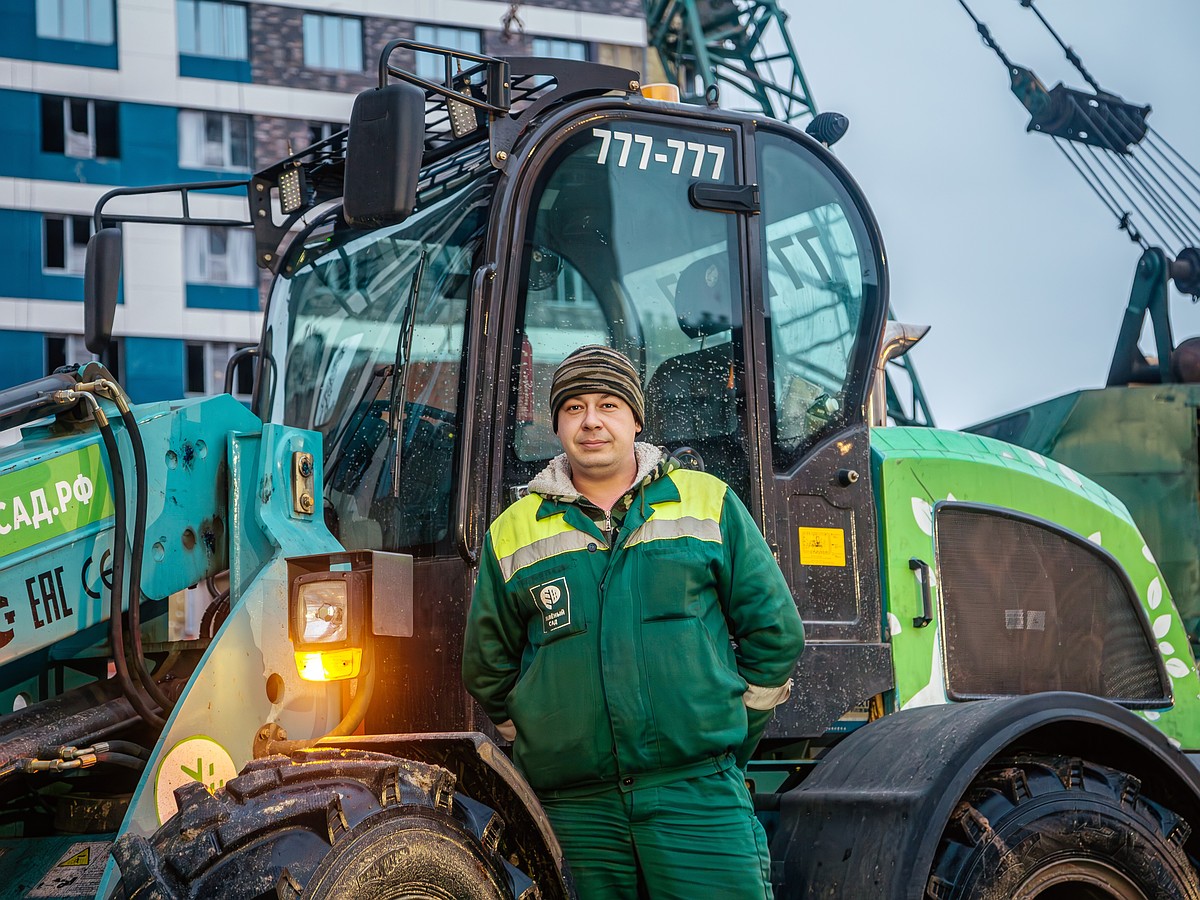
(597, 432)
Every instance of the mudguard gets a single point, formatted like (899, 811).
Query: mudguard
(868, 821)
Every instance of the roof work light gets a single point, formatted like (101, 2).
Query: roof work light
(293, 190)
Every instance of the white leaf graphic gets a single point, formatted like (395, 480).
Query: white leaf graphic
(1154, 593)
(1037, 459)
(923, 513)
(1146, 553)
(951, 498)
(1070, 474)
(1161, 626)
(893, 624)
(1151, 715)
(1095, 538)
(1166, 649)
(1177, 667)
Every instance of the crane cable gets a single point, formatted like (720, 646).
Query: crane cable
(1128, 171)
(1152, 190)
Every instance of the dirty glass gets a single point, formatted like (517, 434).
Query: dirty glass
(372, 326)
(816, 263)
(616, 254)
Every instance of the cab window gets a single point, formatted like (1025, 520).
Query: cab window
(373, 324)
(818, 267)
(616, 254)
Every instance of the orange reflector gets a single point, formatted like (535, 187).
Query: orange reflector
(329, 665)
(668, 92)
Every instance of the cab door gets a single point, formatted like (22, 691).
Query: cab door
(630, 239)
(819, 307)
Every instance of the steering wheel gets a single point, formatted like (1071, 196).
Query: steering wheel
(688, 458)
(425, 411)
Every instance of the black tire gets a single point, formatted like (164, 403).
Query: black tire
(326, 824)
(1056, 828)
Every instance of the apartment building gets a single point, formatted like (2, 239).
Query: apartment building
(96, 94)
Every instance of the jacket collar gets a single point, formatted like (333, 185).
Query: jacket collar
(553, 484)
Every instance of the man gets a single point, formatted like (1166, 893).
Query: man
(631, 632)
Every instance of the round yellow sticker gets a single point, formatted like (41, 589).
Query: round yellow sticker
(196, 758)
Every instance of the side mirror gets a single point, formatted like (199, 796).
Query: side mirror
(101, 278)
(383, 155)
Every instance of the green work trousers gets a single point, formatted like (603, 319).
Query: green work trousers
(683, 839)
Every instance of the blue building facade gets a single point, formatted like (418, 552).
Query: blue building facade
(107, 93)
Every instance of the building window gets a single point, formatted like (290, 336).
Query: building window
(69, 349)
(212, 28)
(432, 67)
(560, 49)
(204, 369)
(320, 131)
(89, 21)
(213, 140)
(333, 42)
(64, 243)
(219, 256)
(83, 129)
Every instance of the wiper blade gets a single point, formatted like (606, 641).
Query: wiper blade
(399, 370)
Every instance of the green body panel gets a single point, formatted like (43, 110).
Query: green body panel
(1140, 442)
(54, 568)
(916, 468)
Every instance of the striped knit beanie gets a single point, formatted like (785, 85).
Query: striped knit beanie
(596, 369)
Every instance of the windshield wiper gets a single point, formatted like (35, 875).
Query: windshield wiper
(399, 396)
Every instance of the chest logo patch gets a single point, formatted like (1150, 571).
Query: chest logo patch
(554, 602)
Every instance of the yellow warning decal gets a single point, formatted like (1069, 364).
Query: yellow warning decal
(822, 546)
(79, 859)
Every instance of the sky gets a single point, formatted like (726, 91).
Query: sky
(992, 237)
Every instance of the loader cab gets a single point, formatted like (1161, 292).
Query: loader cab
(732, 260)
(738, 267)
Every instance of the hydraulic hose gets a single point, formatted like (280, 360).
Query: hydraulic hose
(357, 710)
(214, 615)
(139, 701)
(139, 545)
(122, 759)
(129, 748)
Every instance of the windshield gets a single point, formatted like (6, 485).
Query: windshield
(366, 335)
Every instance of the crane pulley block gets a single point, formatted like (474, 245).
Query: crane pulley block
(1098, 119)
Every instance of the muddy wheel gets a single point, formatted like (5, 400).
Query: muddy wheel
(326, 824)
(1059, 828)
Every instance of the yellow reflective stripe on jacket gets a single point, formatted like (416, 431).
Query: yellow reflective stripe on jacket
(697, 514)
(524, 539)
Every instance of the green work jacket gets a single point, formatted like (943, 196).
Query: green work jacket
(627, 665)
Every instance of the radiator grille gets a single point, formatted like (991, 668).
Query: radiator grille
(1027, 607)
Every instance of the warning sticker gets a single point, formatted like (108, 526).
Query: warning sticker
(76, 874)
(822, 546)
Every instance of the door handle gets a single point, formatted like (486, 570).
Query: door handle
(925, 577)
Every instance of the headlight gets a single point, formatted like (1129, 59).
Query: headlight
(337, 601)
(324, 609)
(327, 611)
